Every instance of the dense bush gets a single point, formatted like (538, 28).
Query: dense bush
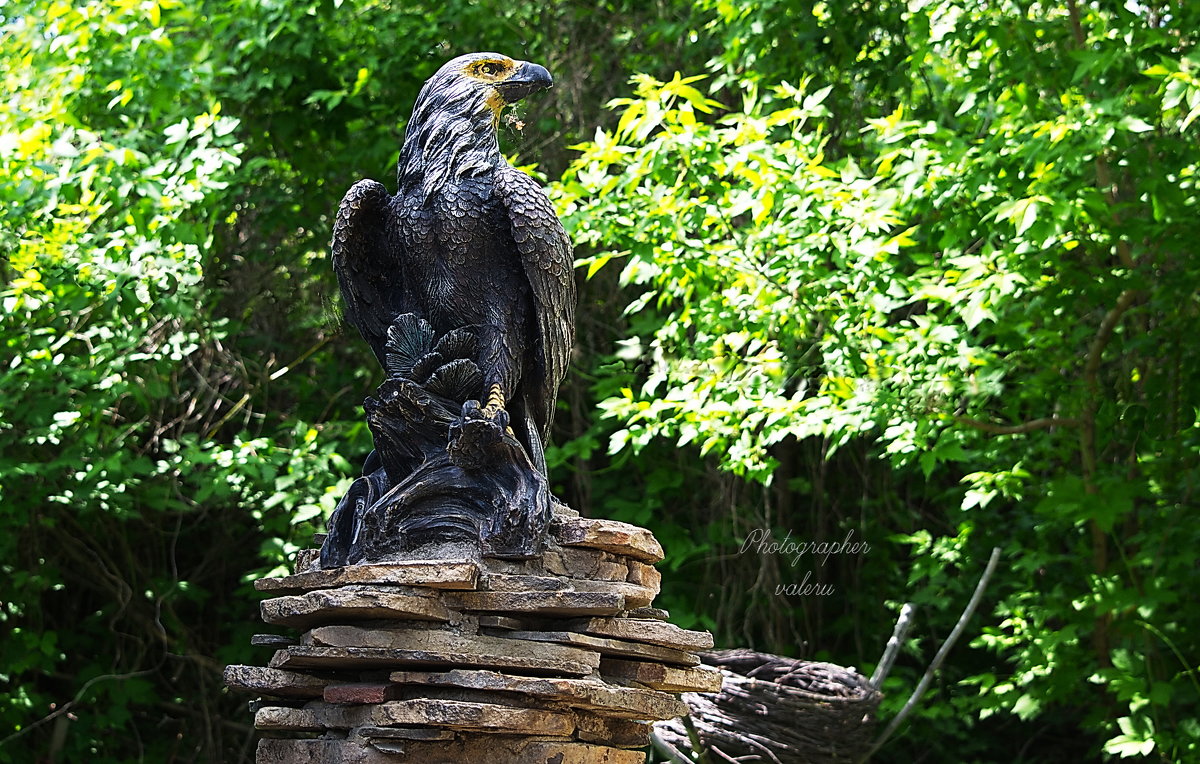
(920, 273)
(991, 282)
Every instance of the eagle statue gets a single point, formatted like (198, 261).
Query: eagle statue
(467, 265)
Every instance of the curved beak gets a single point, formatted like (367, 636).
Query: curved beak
(529, 78)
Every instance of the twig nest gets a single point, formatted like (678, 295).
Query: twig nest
(779, 710)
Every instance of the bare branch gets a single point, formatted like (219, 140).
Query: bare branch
(903, 623)
(942, 652)
(1017, 429)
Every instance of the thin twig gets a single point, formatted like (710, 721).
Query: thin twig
(673, 754)
(893, 646)
(694, 737)
(941, 654)
(65, 708)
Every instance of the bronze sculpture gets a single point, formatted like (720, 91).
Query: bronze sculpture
(462, 285)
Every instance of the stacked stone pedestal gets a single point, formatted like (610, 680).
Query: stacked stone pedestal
(560, 658)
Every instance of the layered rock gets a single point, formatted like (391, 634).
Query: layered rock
(560, 658)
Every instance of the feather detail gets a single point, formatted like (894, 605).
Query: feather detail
(460, 380)
(547, 259)
(409, 340)
(367, 262)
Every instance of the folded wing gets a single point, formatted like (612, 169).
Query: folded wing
(546, 254)
(367, 262)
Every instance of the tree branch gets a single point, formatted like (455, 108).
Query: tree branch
(1017, 429)
(1087, 448)
(1103, 174)
(942, 652)
(893, 646)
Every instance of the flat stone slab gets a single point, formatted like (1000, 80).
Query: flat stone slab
(500, 622)
(271, 640)
(606, 646)
(451, 714)
(346, 693)
(567, 603)
(647, 612)
(587, 694)
(404, 733)
(482, 649)
(437, 574)
(653, 631)
(508, 582)
(492, 749)
(609, 536)
(276, 683)
(665, 678)
(644, 575)
(338, 647)
(354, 602)
(579, 562)
(635, 596)
(619, 732)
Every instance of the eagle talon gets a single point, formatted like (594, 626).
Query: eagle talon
(492, 414)
(477, 434)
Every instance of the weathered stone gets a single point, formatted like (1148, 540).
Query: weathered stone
(647, 612)
(438, 574)
(446, 650)
(610, 536)
(390, 746)
(403, 733)
(272, 640)
(606, 646)
(635, 596)
(268, 681)
(504, 582)
(552, 562)
(276, 751)
(500, 622)
(354, 603)
(644, 630)
(258, 703)
(286, 719)
(621, 733)
(588, 694)
(453, 714)
(644, 575)
(592, 563)
(543, 603)
(660, 677)
(609, 570)
(361, 692)
(478, 649)
(493, 749)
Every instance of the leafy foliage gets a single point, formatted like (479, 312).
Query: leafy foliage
(919, 273)
(990, 281)
(123, 489)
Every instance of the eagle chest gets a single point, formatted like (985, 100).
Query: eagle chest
(465, 260)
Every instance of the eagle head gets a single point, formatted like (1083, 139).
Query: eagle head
(452, 128)
(483, 83)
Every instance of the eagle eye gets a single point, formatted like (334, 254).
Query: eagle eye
(490, 69)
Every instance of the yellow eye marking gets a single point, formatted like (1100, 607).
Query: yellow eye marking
(491, 69)
(495, 103)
